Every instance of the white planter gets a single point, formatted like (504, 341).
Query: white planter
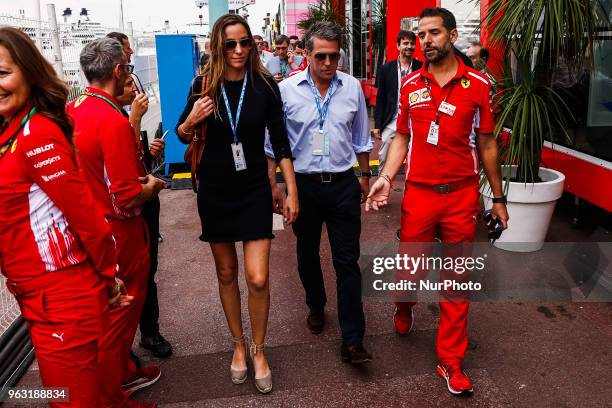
(530, 208)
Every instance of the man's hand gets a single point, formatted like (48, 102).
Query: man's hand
(379, 194)
(157, 147)
(290, 56)
(118, 296)
(364, 183)
(291, 209)
(376, 134)
(155, 184)
(499, 211)
(202, 109)
(140, 106)
(278, 199)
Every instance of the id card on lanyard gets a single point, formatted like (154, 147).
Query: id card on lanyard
(320, 138)
(237, 151)
(445, 107)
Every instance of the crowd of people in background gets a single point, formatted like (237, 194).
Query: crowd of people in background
(80, 207)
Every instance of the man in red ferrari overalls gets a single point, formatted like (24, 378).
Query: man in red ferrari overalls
(444, 127)
(106, 150)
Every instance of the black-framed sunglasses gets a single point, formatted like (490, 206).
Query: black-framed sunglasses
(139, 87)
(244, 43)
(128, 68)
(322, 56)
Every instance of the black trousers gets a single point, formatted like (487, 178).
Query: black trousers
(149, 319)
(337, 204)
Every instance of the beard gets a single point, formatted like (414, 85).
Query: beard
(408, 52)
(439, 55)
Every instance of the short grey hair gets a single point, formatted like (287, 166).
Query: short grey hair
(99, 57)
(323, 30)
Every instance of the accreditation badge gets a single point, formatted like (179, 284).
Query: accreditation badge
(432, 136)
(239, 160)
(447, 108)
(320, 143)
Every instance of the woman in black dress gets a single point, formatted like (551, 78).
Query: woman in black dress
(234, 198)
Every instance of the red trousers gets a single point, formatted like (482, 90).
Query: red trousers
(132, 242)
(427, 214)
(66, 319)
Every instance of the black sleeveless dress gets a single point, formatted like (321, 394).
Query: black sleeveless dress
(237, 205)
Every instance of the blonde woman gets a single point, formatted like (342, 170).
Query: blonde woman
(235, 200)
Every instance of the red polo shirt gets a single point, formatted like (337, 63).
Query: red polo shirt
(454, 157)
(106, 149)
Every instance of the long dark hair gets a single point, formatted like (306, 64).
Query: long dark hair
(48, 93)
(216, 67)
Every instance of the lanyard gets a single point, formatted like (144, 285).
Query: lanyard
(4, 148)
(400, 71)
(234, 125)
(104, 98)
(322, 110)
(453, 82)
(400, 77)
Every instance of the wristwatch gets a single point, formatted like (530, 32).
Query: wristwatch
(500, 200)
(366, 174)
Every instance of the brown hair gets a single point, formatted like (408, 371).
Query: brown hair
(48, 93)
(216, 67)
(117, 36)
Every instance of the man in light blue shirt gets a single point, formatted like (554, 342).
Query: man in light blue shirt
(327, 124)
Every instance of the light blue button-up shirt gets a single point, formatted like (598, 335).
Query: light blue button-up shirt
(346, 126)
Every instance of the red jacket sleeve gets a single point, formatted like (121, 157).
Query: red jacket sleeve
(56, 172)
(120, 161)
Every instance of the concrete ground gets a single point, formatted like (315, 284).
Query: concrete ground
(525, 354)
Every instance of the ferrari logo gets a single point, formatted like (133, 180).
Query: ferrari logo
(14, 146)
(465, 83)
(79, 100)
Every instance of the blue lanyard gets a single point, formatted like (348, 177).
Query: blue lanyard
(234, 125)
(322, 110)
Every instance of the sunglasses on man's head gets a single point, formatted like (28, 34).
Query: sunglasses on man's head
(244, 43)
(322, 56)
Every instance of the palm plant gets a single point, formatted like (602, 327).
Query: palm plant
(327, 10)
(379, 31)
(540, 35)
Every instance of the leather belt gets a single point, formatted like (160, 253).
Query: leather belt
(326, 177)
(448, 187)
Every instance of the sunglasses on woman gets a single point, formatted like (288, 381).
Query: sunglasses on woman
(322, 56)
(244, 43)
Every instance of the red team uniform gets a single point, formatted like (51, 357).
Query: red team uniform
(58, 254)
(441, 197)
(107, 154)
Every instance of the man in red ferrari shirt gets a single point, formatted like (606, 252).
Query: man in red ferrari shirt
(444, 127)
(106, 149)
